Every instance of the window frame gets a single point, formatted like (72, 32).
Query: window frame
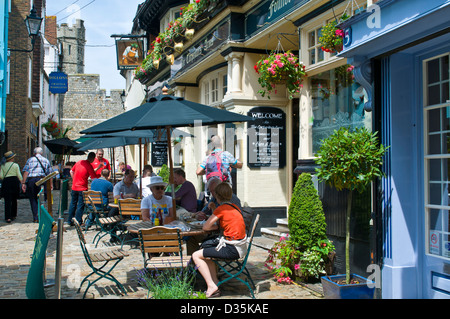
(429, 207)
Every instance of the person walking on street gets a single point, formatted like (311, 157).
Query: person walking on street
(100, 163)
(80, 173)
(218, 163)
(11, 183)
(36, 168)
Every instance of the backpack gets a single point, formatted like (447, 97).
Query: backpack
(214, 167)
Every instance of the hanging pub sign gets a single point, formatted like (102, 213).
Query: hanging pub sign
(130, 52)
(159, 153)
(266, 138)
(58, 82)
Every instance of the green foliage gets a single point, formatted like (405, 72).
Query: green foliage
(282, 259)
(305, 251)
(350, 160)
(164, 173)
(169, 283)
(306, 217)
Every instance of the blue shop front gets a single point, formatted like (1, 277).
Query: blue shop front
(401, 51)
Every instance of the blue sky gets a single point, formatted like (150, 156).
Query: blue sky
(101, 19)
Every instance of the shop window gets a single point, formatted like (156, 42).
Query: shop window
(206, 92)
(214, 90)
(214, 87)
(437, 155)
(337, 101)
(170, 16)
(315, 53)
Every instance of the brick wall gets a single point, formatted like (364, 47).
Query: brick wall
(18, 106)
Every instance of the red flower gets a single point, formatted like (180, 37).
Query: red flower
(158, 40)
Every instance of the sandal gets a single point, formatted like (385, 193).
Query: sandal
(215, 294)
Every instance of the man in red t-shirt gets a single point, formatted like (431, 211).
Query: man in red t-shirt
(80, 174)
(100, 163)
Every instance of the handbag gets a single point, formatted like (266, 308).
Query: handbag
(210, 242)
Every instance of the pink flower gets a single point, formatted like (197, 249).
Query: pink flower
(297, 267)
(266, 61)
(339, 33)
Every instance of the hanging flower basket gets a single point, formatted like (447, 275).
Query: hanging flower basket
(280, 68)
(50, 125)
(332, 38)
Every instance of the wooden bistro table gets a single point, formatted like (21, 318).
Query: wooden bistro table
(134, 228)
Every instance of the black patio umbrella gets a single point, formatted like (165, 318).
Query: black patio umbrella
(63, 146)
(166, 111)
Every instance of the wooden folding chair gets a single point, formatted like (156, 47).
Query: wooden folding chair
(234, 268)
(104, 257)
(94, 207)
(130, 212)
(108, 225)
(161, 247)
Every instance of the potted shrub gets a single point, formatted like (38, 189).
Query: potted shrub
(280, 68)
(350, 160)
(305, 252)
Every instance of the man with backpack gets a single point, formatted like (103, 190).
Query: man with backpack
(218, 164)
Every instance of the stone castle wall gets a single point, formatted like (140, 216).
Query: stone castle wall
(85, 105)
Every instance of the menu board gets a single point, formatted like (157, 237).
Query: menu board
(266, 138)
(159, 153)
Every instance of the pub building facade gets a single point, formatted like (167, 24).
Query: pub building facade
(216, 68)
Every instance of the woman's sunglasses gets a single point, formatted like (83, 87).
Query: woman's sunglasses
(159, 187)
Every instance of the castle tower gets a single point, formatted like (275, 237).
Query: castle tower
(73, 41)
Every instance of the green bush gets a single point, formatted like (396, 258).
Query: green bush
(306, 217)
(164, 173)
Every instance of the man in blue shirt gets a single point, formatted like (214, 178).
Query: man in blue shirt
(103, 185)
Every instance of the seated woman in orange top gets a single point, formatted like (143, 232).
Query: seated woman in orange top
(231, 245)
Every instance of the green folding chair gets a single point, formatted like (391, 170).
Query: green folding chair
(101, 258)
(236, 267)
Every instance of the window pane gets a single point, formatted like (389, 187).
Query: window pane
(434, 168)
(445, 68)
(321, 55)
(312, 56)
(434, 144)
(434, 94)
(435, 194)
(433, 71)
(336, 102)
(434, 120)
(312, 39)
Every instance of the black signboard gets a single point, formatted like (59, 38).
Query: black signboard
(159, 153)
(266, 138)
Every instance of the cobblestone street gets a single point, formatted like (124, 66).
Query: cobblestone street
(18, 240)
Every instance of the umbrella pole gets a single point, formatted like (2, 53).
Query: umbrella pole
(140, 167)
(169, 149)
(125, 156)
(114, 166)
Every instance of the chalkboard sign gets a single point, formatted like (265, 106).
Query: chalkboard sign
(266, 138)
(159, 153)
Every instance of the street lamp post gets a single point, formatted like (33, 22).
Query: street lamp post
(33, 23)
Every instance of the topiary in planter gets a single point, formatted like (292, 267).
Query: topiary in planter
(306, 218)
